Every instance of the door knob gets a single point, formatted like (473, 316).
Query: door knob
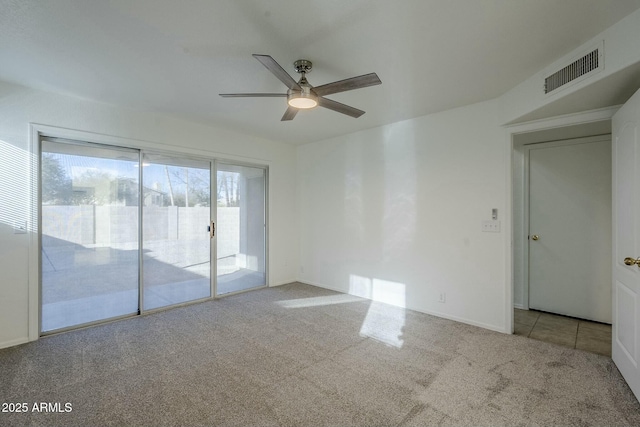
(535, 237)
(631, 261)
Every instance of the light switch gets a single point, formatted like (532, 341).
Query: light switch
(491, 226)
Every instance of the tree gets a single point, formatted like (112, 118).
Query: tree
(228, 188)
(56, 185)
(199, 187)
(193, 185)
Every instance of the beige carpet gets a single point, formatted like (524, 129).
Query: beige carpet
(297, 355)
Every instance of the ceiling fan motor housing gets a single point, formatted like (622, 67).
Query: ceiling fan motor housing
(304, 98)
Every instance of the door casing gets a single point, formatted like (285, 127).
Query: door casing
(590, 123)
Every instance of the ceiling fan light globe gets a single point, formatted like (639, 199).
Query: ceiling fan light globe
(303, 99)
(303, 103)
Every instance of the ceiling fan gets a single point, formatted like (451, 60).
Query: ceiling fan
(301, 95)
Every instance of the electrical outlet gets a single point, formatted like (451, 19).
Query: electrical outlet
(491, 226)
(442, 297)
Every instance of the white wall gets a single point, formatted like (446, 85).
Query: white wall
(395, 213)
(20, 106)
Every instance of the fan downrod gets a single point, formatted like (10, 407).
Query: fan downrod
(302, 66)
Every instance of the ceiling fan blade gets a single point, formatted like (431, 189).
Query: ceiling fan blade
(348, 84)
(253, 95)
(289, 114)
(277, 71)
(340, 108)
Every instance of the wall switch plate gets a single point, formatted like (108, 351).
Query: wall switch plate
(491, 226)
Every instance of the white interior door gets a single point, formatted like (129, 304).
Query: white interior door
(626, 212)
(570, 228)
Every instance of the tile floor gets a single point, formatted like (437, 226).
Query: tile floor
(567, 331)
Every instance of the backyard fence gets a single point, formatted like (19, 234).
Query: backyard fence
(101, 226)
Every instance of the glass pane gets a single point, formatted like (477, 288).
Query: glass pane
(240, 228)
(89, 234)
(176, 245)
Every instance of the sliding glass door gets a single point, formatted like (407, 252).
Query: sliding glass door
(241, 227)
(124, 231)
(176, 241)
(89, 233)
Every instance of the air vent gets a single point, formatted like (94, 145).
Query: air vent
(571, 72)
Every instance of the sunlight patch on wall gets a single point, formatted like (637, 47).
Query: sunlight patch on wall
(360, 286)
(14, 190)
(383, 322)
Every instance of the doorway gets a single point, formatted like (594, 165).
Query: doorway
(523, 322)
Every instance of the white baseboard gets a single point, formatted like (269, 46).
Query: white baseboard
(15, 342)
(421, 310)
(280, 283)
(520, 307)
(320, 285)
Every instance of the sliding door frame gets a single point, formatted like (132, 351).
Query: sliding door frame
(99, 146)
(214, 222)
(140, 235)
(214, 171)
(34, 225)
(212, 216)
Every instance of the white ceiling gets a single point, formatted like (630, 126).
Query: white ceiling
(177, 56)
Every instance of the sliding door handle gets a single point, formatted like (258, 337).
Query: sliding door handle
(212, 230)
